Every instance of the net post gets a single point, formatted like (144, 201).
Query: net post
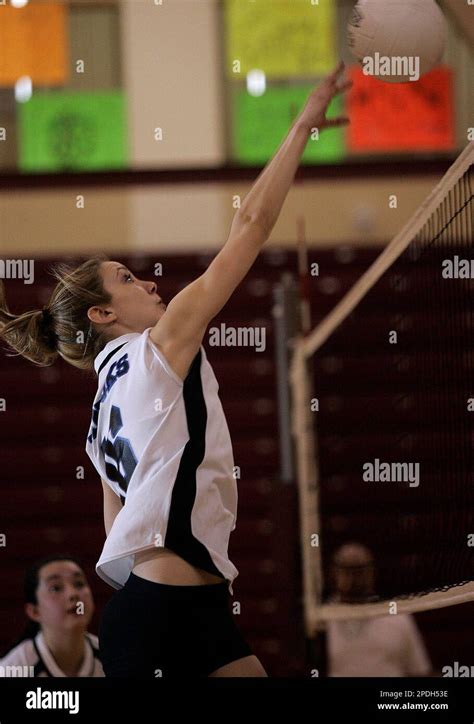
(285, 320)
(308, 486)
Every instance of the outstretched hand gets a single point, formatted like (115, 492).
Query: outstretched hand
(314, 112)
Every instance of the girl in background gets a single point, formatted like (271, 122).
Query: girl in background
(59, 605)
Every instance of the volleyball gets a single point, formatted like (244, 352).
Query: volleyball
(397, 40)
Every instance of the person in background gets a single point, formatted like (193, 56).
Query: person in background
(382, 646)
(59, 605)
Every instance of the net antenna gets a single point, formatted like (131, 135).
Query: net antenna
(316, 614)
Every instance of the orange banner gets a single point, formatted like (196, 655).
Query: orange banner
(33, 42)
(407, 116)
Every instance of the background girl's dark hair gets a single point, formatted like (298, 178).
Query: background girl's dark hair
(30, 586)
(62, 327)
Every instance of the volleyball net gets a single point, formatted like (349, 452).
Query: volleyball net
(383, 418)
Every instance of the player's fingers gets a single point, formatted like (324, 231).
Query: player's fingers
(332, 77)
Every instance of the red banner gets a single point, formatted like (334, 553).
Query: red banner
(416, 115)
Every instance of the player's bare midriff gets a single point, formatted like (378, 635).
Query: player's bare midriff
(164, 566)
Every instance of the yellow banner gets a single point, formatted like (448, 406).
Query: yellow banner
(280, 37)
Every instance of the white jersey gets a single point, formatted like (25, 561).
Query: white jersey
(381, 646)
(33, 658)
(163, 445)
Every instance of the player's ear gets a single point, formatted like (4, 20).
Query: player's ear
(31, 610)
(101, 315)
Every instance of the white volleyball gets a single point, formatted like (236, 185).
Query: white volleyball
(397, 40)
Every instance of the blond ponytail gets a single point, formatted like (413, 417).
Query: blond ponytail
(62, 327)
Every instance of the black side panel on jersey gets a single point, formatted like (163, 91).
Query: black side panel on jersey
(179, 536)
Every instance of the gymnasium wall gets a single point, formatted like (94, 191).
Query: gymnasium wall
(174, 78)
(175, 218)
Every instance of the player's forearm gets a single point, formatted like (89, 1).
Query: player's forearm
(267, 195)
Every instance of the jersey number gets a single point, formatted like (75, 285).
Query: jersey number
(120, 460)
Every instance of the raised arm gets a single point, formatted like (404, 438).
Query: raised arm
(180, 330)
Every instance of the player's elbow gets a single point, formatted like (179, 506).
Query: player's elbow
(254, 223)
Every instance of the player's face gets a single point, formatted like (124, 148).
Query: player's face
(64, 598)
(136, 303)
(353, 583)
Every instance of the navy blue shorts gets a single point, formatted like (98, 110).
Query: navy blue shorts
(155, 630)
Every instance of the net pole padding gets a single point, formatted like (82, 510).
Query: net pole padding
(308, 483)
(320, 615)
(396, 247)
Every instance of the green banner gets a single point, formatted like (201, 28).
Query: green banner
(72, 131)
(260, 124)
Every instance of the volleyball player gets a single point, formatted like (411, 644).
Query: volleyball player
(59, 606)
(159, 438)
